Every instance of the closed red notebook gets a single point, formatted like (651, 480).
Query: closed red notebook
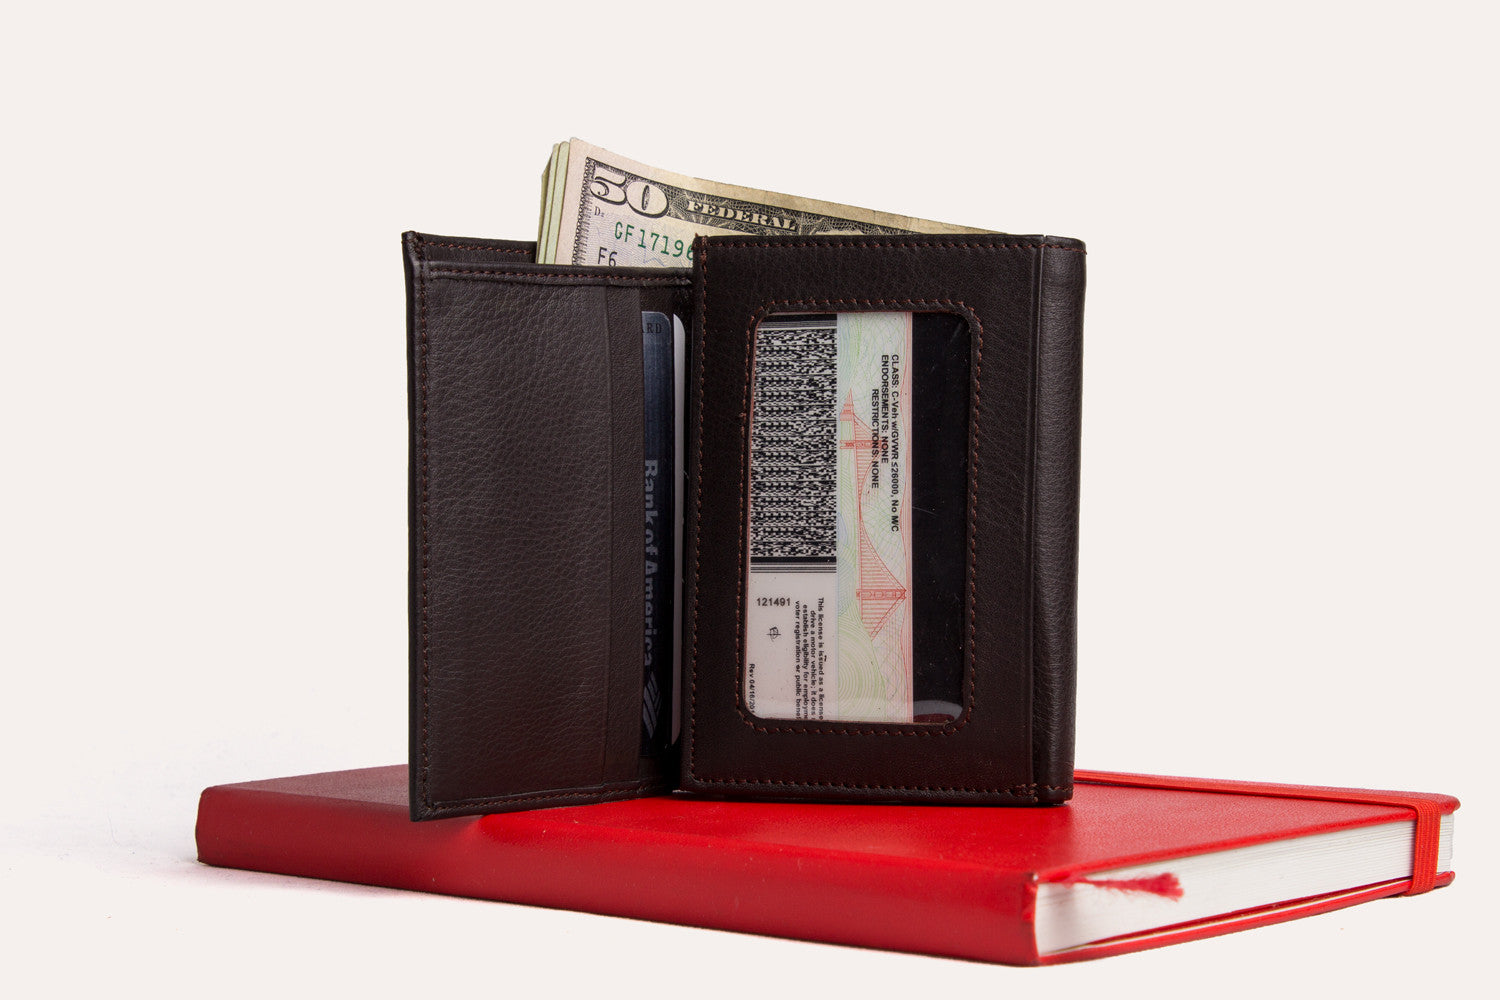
(1133, 862)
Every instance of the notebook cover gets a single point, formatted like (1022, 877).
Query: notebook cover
(943, 880)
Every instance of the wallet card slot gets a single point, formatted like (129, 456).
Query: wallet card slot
(516, 585)
(646, 538)
(526, 526)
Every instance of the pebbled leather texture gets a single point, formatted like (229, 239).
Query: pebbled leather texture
(1057, 424)
(525, 400)
(1022, 297)
(526, 576)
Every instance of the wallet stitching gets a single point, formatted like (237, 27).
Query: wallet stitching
(1033, 384)
(422, 351)
(878, 729)
(700, 332)
(973, 515)
(886, 244)
(1027, 790)
(604, 279)
(473, 246)
(1020, 791)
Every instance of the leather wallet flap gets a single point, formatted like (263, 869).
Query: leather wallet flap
(526, 415)
(1009, 736)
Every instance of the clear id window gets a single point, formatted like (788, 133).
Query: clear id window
(859, 489)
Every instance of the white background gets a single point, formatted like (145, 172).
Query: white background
(1288, 537)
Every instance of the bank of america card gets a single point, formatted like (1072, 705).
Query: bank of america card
(857, 500)
(663, 348)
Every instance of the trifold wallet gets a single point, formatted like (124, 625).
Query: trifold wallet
(870, 592)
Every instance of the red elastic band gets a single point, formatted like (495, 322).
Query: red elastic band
(1429, 815)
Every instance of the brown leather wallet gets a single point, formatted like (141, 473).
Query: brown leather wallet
(527, 583)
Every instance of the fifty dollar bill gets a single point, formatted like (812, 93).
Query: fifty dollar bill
(602, 209)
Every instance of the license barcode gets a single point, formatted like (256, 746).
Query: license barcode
(794, 442)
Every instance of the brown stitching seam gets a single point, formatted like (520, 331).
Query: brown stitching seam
(542, 277)
(472, 246)
(883, 244)
(423, 606)
(1027, 790)
(893, 729)
(591, 790)
(1029, 532)
(700, 331)
(973, 512)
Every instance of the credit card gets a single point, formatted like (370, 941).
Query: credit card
(661, 474)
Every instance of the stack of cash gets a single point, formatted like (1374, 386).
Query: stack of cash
(830, 612)
(601, 209)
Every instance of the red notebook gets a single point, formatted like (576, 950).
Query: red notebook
(1132, 862)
